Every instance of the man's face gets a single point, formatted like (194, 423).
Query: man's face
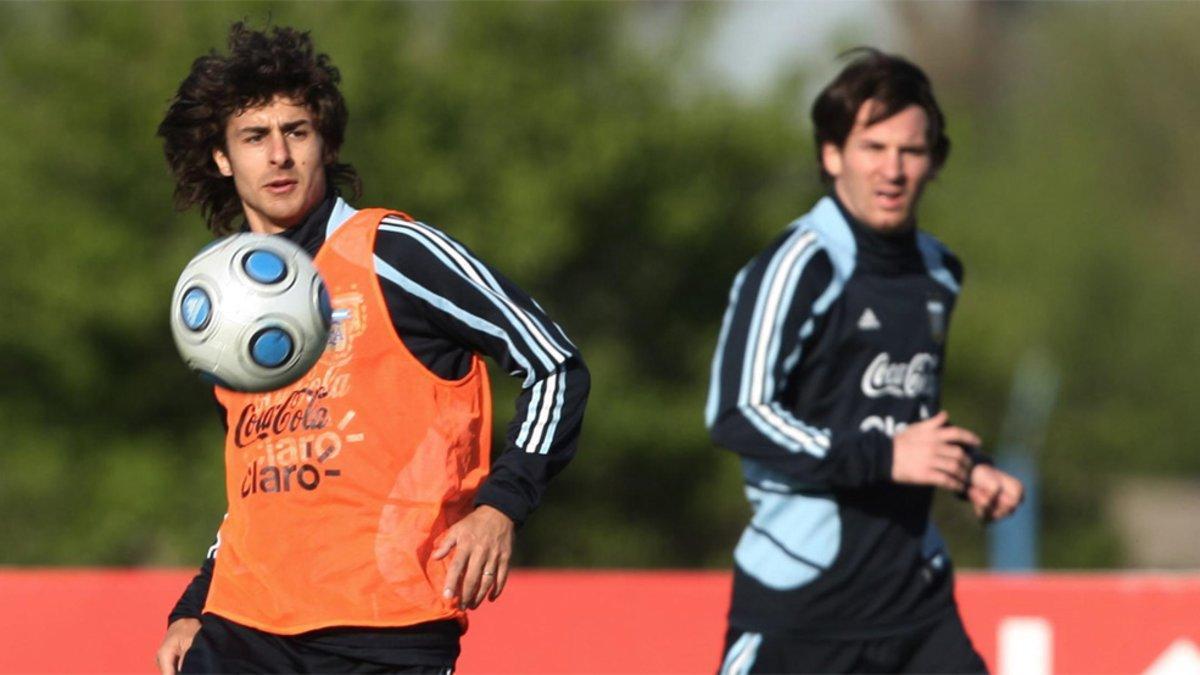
(277, 160)
(880, 172)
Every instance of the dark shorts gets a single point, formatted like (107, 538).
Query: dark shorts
(939, 647)
(223, 646)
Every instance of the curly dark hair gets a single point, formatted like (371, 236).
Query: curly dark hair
(893, 81)
(260, 66)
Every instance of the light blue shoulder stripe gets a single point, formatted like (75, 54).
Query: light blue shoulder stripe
(383, 269)
(775, 338)
(836, 239)
(795, 241)
(819, 438)
(489, 282)
(826, 220)
(341, 213)
(832, 235)
(933, 253)
(422, 237)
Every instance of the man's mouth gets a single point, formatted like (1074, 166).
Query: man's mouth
(281, 186)
(890, 199)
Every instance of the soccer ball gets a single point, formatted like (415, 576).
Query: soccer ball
(250, 313)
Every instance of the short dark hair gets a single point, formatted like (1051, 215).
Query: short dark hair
(260, 66)
(874, 76)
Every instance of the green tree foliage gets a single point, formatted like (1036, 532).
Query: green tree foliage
(582, 149)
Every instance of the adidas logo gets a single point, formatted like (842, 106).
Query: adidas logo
(868, 321)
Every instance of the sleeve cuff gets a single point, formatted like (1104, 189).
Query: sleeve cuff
(191, 603)
(504, 501)
(980, 457)
(865, 459)
(175, 616)
(879, 446)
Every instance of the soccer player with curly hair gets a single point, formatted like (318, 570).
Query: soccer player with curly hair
(357, 540)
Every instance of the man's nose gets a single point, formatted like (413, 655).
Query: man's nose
(893, 166)
(280, 153)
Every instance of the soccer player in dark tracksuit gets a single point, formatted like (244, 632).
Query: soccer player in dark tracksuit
(826, 383)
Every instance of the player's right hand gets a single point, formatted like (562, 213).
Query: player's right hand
(930, 452)
(175, 644)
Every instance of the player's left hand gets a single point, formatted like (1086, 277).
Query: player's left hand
(484, 542)
(993, 493)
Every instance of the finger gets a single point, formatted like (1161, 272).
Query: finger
(979, 494)
(948, 480)
(994, 514)
(984, 475)
(470, 586)
(955, 467)
(454, 574)
(950, 450)
(959, 436)
(487, 582)
(165, 661)
(449, 540)
(501, 577)
(1006, 504)
(1013, 487)
(966, 464)
(977, 499)
(938, 420)
(994, 509)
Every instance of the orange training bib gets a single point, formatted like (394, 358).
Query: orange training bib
(340, 484)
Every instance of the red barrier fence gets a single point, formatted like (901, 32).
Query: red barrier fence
(89, 621)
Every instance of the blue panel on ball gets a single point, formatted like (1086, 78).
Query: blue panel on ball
(324, 305)
(196, 309)
(271, 347)
(264, 267)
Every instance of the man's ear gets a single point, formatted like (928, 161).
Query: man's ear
(831, 159)
(222, 162)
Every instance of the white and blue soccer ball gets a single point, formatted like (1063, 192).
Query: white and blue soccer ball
(251, 313)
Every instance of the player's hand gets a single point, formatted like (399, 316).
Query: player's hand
(483, 542)
(930, 452)
(993, 493)
(175, 644)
